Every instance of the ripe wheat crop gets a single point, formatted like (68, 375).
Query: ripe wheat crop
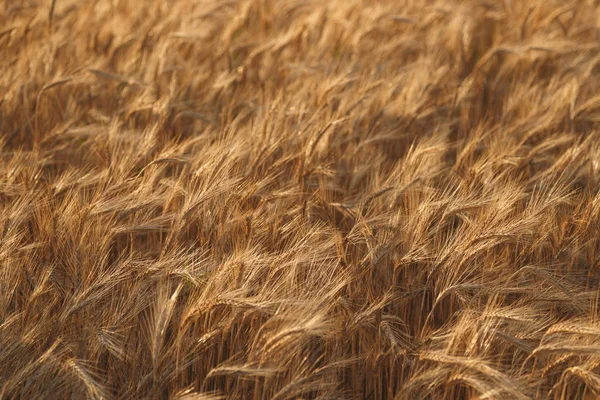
(285, 199)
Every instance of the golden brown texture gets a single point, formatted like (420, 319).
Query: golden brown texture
(299, 199)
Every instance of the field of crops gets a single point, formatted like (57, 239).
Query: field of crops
(299, 199)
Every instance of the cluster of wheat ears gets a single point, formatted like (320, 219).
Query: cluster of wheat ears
(283, 199)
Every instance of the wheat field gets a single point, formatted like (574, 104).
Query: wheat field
(299, 199)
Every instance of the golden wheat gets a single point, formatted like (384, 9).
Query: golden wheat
(258, 199)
